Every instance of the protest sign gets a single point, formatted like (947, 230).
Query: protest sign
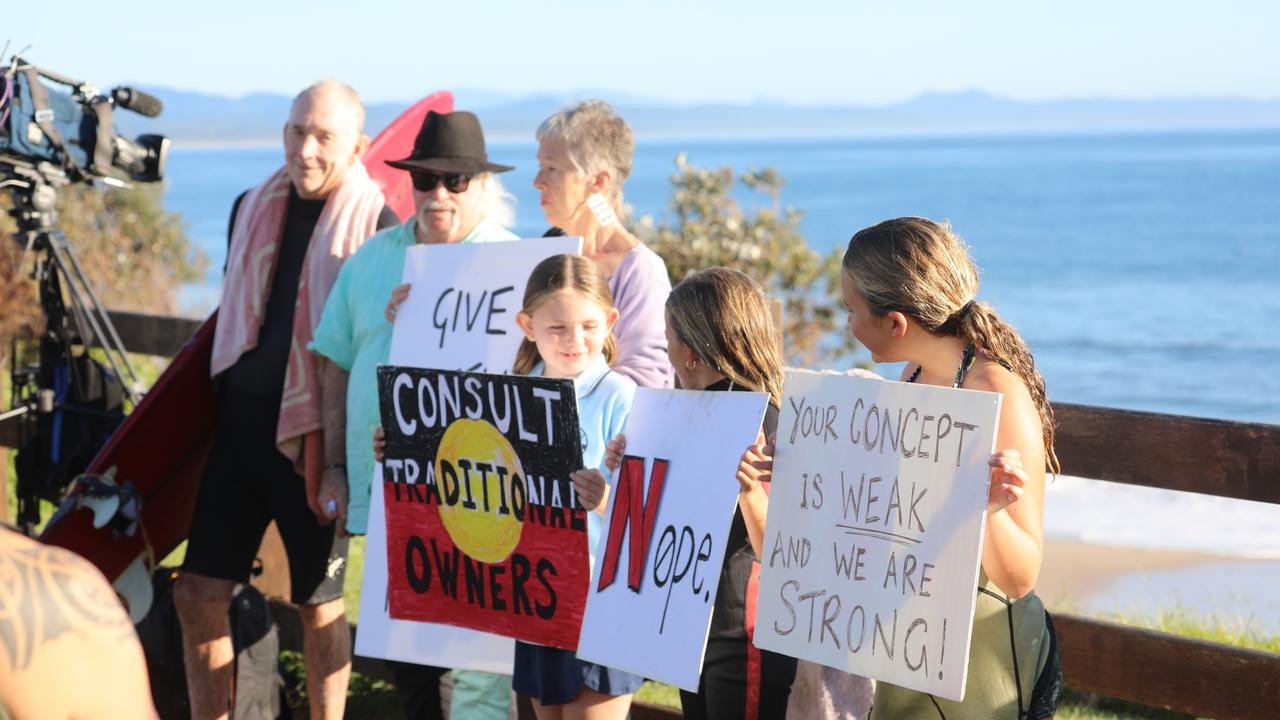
(658, 562)
(445, 278)
(874, 533)
(462, 307)
(415, 642)
(484, 529)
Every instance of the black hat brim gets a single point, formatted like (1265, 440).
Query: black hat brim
(458, 165)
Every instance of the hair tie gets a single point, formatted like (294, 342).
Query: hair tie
(963, 312)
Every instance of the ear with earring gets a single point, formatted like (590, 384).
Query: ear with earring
(691, 364)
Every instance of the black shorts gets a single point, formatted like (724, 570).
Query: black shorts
(247, 483)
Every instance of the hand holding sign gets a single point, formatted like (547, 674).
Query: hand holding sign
(613, 452)
(756, 465)
(1008, 478)
(591, 487)
(398, 295)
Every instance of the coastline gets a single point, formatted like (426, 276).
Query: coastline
(1150, 584)
(1074, 570)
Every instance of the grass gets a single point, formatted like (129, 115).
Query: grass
(655, 693)
(1180, 620)
(1076, 706)
(355, 572)
(366, 697)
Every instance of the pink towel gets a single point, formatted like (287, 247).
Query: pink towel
(349, 218)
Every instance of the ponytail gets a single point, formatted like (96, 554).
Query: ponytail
(922, 269)
(983, 327)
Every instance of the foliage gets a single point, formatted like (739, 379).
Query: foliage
(134, 252)
(711, 228)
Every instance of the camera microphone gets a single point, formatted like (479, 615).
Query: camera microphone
(137, 101)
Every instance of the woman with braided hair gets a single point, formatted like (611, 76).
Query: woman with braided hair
(910, 289)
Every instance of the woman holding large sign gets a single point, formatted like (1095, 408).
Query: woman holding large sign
(910, 289)
(584, 157)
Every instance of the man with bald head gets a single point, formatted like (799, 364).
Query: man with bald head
(288, 238)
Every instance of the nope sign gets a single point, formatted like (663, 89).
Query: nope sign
(671, 506)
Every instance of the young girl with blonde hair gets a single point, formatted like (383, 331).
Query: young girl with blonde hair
(567, 320)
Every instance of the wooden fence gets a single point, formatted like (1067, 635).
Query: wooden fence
(1211, 457)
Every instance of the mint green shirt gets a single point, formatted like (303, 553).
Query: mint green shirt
(354, 334)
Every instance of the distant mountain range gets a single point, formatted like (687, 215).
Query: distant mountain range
(198, 117)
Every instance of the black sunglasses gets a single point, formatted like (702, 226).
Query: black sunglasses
(453, 182)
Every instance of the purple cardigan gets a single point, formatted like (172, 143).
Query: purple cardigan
(640, 289)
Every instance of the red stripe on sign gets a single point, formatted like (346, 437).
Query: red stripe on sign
(753, 652)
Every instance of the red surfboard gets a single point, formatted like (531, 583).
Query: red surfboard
(162, 446)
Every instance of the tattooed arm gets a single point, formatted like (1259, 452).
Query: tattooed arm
(67, 648)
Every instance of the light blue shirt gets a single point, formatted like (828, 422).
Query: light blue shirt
(604, 400)
(354, 334)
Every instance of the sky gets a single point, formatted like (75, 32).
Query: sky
(848, 52)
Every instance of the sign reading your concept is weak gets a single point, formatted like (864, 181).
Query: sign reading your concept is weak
(875, 528)
(463, 303)
(659, 558)
(483, 526)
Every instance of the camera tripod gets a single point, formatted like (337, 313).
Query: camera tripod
(51, 395)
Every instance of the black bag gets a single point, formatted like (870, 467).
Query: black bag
(257, 648)
(258, 681)
(90, 406)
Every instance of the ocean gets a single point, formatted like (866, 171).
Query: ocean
(1142, 269)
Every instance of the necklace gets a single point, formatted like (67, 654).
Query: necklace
(966, 361)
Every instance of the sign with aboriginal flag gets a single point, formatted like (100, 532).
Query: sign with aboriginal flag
(483, 526)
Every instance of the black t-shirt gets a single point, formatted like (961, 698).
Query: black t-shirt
(729, 616)
(261, 370)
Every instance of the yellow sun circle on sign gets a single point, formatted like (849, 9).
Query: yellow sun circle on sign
(476, 469)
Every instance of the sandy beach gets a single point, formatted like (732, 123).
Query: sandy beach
(1097, 580)
(1073, 570)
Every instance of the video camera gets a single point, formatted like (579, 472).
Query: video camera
(71, 136)
(67, 403)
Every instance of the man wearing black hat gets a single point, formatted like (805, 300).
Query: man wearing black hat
(457, 199)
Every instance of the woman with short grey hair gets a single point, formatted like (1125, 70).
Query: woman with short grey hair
(584, 157)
